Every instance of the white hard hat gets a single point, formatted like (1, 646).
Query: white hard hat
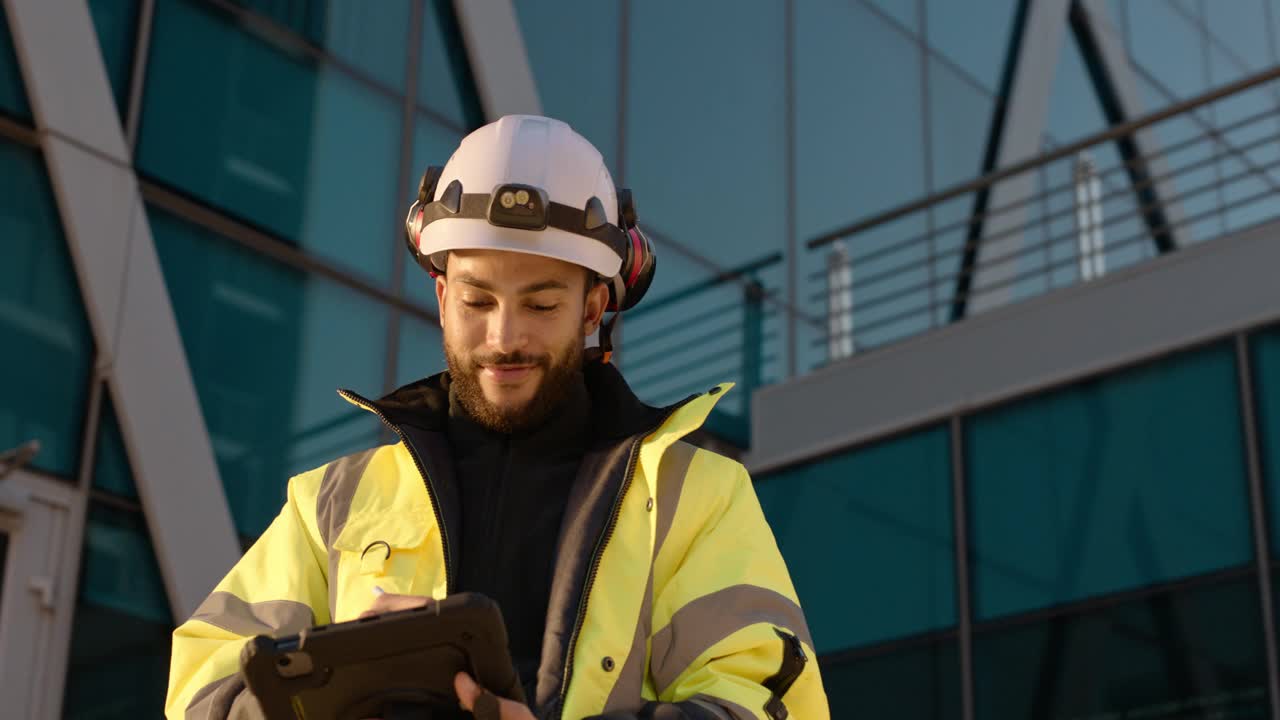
(527, 184)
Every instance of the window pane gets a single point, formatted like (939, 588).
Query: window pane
(119, 662)
(116, 22)
(1074, 111)
(904, 11)
(1266, 381)
(444, 84)
(1128, 480)
(1195, 653)
(421, 350)
(1168, 44)
(111, 467)
(705, 128)
(953, 26)
(582, 94)
(374, 37)
(959, 122)
(1239, 29)
(47, 345)
(268, 345)
(13, 94)
(306, 152)
(885, 511)
(918, 683)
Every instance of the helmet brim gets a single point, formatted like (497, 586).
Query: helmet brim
(476, 234)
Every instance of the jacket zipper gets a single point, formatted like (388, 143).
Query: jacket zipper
(426, 480)
(595, 567)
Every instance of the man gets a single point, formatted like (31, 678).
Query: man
(636, 574)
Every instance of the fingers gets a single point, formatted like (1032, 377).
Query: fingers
(389, 602)
(467, 690)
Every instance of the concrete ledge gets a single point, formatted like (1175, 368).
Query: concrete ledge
(1190, 296)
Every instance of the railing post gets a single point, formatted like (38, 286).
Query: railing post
(839, 304)
(752, 338)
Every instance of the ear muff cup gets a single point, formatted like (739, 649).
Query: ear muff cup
(636, 274)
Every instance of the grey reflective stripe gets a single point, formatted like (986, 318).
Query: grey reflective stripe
(711, 618)
(722, 708)
(272, 617)
(214, 700)
(671, 473)
(333, 505)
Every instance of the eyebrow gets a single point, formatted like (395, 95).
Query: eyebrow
(526, 290)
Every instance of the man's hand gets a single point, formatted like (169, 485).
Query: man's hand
(469, 693)
(388, 602)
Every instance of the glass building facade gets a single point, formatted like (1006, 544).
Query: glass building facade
(1081, 551)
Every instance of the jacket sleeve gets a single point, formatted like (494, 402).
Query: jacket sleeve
(277, 588)
(731, 640)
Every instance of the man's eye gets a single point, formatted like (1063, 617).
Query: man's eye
(543, 308)
(476, 303)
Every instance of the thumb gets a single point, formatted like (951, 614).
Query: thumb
(467, 690)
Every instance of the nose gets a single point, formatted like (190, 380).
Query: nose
(506, 334)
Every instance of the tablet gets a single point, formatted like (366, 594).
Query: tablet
(381, 665)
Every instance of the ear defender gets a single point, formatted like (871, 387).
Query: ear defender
(416, 219)
(638, 265)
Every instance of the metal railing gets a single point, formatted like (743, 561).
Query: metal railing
(1070, 215)
(718, 329)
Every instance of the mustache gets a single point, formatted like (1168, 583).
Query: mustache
(511, 358)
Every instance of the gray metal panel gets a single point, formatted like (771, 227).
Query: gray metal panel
(498, 58)
(125, 296)
(1192, 295)
(1024, 123)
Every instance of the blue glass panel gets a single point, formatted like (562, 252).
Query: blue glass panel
(953, 27)
(885, 512)
(1073, 103)
(920, 682)
(1240, 29)
(374, 37)
(45, 381)
(116, 22)
(306, 152)
(444, 84)
(421, 350)
(13, 94)
(1265, 348)
(558, 37)
(904, 11)
(959, 123)
(1168, 45)
(705, 148)
(1193, 653)
(1120, 482)
(111, 470)
(119, 662)
(268, 345)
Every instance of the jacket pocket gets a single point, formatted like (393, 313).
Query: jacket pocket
(385, 548)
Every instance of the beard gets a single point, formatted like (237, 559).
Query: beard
(560, 370)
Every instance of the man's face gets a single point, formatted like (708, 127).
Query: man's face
(514, 326)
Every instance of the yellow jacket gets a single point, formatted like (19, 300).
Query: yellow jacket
(669, 586)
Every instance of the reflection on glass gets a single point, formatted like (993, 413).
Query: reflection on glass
(302, 150)
(421, 350)
(1193, 653)
(374, 37)
(444, 84)
(1168, 45)
(904, 11)
(914, 683)
(1239, 29)
(953, 30)
(13, 94)
(583, 94)
(885, 511)
(46, 348)
(119, 661)
(111, 466)
(116, 23)
(1121, 482)
(1265, 348)
(268, 346)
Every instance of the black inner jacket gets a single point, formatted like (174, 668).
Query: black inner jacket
(574, 504)
(513, 489)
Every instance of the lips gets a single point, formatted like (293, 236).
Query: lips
(508, 373)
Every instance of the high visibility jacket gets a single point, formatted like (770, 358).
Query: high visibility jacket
(668, 583)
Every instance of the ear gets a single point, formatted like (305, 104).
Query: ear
(442, 286)
(593, 309)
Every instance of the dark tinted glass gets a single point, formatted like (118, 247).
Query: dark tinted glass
(13, 94)
(111, 467)
(1266, 387)
(116, 22)
(921, 682)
